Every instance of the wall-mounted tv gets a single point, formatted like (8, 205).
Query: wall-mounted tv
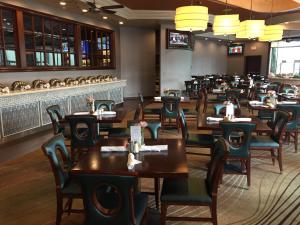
(179, 39)
(236, 49)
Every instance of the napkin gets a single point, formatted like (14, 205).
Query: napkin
(181, 98)
(216, 90)
(241, 120)
(113, 149)
(131, 161)
(108, 113)
(81, 113)
(157, 98)
(215, 119)
(286, 102)
(154, 148)
(255, 103)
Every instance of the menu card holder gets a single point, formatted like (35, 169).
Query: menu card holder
(136, 134)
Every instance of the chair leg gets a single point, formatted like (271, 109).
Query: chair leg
(59, 209)
(279, 152)
(213, 210)
(296, 141)
(273, 156)
(248, 171)
(163, 214)
(156, 193)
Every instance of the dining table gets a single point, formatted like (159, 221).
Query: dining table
(289, 97)
(208, 122)
(154, 164)
(183, 99)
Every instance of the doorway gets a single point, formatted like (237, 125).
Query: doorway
(253, 64)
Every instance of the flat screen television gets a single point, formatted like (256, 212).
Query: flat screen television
(236, 49)
(179, 39)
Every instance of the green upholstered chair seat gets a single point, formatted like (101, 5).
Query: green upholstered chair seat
(200, 139)
(191, 189)
(141, 201)
(152, 111)
(292, 126)
(221, 98)
(71, 187)
(263, 141)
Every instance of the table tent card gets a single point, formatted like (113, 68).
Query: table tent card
(136, 134)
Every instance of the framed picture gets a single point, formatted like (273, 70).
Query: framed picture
(179, 39)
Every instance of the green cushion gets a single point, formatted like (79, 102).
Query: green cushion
(72, 188)
(200, 139)
(191, 189)
(292, 126)
(263, 141)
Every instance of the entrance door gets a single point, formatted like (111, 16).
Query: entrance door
(253, 64)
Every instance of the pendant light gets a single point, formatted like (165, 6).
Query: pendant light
(191, 18)
(272, 32)
(226, 24)
(251, 28)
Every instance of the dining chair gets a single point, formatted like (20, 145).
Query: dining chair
(148, 112)
(238, 150)
(112, 200)
(274, 141)
(170, 111)
(207, 100)
(106, 105)
(55, 116)
(195, 191)
(83, 133)
(193, 113)
(292, 127)
(66, 187)
(195, 140)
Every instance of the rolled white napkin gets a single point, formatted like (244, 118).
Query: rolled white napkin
(154, 148)
(256, 103)
(81, 113)
(215, 119)
(131, 161)
(109, 113)
(216, 90)
(286, 102)
(113, 149)
(157, 98)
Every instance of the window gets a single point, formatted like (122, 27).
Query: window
(48, 42)
(285, 58)
(96, 48)
(8, 56)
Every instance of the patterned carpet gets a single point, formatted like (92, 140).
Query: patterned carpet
(27, 194)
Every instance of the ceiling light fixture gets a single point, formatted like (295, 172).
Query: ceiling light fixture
(251, 28)
(84, 10)
(226, 24)
(272, 32)
(121, 23)
(191, 18)
(63, 3)
(104, 17)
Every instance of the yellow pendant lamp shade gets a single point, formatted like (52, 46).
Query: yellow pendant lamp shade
(251, 29)
(191, 18)
(272, 33)
(226, 24)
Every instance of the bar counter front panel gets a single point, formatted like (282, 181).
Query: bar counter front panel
(22, 111)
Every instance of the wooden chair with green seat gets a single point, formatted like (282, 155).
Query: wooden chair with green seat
(272, 142)
(66, 187)
(83, 133)
(55, 115)
(112, 200)
(292, 127)
(193, 113)
(239, 151)
(195, 140)
(148, 112)
(195, 191)
(170, 112)
(208, 101)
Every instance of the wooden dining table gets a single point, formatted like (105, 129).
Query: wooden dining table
(204, 124)
(168, 163)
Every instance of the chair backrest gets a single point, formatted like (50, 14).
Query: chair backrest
(141, 99)
(83, 130)
(153, 127)
(279, 125)
(183, 125)
(52, 149)
(245, 129)
(294, 109)
(137, 112)
(55, 115)
(216, 164)
(170, 105)
(108, 199)
(107, 105)
(232, 93)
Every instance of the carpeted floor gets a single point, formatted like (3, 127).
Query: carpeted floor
(27, 194)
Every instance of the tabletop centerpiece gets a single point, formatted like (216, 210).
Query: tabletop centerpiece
(90, 102)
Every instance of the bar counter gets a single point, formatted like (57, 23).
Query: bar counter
(25, 110)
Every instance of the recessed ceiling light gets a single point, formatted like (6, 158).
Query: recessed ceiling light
(62, 3)
(104, 17)
(4, 19)
(64, 29)
(121, 23)
(84, 10)
(286, 22)
(220, 40)
(206, 39)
